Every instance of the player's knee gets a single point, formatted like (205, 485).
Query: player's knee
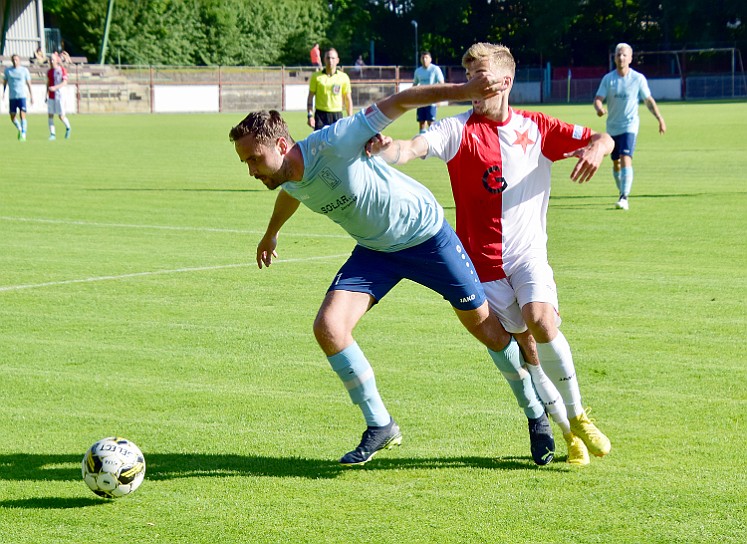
(541, 320)
(328, 331)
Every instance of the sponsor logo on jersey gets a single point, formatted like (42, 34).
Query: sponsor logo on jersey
(340, 203)
(493, 180)
(468, 299)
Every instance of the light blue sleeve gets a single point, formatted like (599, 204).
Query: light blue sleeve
(602, 91)
(349, 135)
(440, 75)
(643, 91)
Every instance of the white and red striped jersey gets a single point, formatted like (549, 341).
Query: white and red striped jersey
(500, 178)
(55, 76)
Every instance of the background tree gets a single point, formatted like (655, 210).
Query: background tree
(271, 32)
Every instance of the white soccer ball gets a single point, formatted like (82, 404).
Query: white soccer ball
(113, 467)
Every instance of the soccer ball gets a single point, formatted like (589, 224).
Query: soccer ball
(113, 467)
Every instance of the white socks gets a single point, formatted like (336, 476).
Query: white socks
(557, 362)
(550, 397)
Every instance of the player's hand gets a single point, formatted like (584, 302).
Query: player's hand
(311, 121)
(485, 85)
(266, 250)
(377, 144)
(662, 126)
(600, 113)
(589, 159)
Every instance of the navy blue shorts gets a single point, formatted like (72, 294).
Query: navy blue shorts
(440, 263)
(17, 104)
(426, 113)
(325, 118)
(624, 145)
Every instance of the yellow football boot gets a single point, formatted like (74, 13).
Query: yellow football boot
(594, 439)
(578, 455)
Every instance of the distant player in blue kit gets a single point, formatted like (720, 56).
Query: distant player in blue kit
(400, 232)
(427, 74)
(623, 88)
(18, 78)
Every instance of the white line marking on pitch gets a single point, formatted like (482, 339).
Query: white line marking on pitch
(159, 227)
(159, 272)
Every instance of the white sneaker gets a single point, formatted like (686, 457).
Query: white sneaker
(622, 204)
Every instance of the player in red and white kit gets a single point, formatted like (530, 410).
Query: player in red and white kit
(499, 162)
(56, 80)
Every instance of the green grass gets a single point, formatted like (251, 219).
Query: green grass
(130, 304)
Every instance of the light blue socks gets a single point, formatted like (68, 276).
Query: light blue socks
(509, 362)
(616, 175)
(626, 180)
(357, 375)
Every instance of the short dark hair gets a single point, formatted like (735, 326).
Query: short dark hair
(422, 53)
(266, 126)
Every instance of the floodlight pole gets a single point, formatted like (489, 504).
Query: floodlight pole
(105, 39)
(417, 57)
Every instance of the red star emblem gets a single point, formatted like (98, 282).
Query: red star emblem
(522, 138)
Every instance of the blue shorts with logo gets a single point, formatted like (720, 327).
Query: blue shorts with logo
(440, 263)
(624, 145)
(17, 104)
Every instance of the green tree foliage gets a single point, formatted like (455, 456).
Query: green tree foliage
(268, 32)
(197, 32)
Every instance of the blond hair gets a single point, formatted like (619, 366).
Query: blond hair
(498, 55)
(623, 45)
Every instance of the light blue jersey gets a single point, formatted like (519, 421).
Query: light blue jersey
(428, 76)
(622, 95)
(379, 206)
(16, 79)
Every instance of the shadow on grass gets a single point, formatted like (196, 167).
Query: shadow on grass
(168, 466)
(52, 503)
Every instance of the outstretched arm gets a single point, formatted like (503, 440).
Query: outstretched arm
(590, 157)
(285, 207)
(654, 109)
(482, 85)
(396, 151)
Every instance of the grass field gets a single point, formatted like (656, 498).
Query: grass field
(130, 304)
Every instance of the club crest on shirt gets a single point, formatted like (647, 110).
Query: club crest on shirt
(493, 180)
(329, 177)
(336, 89)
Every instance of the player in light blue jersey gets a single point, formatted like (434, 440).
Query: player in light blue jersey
(400, 232)
(427, 74)
(623, 88)
(18, 78)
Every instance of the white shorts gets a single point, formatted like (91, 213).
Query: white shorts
(531, 281)
(56, 106)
